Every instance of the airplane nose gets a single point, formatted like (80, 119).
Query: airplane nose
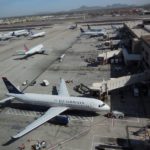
(106, 107)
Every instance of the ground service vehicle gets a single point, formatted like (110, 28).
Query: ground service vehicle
(115, 114)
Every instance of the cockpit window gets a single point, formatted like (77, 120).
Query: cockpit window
(101, 105)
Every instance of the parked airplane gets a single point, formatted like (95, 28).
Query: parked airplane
(115, 27)
(57, 103)
(93, 33)
(72, 27)
(19, 33)
(39, 49)
(5, 36)
(94, 30)
(36, 35)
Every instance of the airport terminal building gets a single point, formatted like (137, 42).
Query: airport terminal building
(138, 40)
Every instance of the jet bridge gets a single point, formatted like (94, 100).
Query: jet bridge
(127, 56)
(130, 57)
(107, 55)
(115, 83)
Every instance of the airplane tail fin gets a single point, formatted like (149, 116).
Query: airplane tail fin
(31, 32)
(82, 31)
(10, 87)
(89, 28)
(13, 34)
(26, 48)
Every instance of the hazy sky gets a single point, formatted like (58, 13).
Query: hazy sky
(26, 7)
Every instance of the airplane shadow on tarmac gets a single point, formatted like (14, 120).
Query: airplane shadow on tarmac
(43, 109)
(29, 107)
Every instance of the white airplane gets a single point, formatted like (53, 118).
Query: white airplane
(72, 27)
(56, 103)
(116, 28)
(93, 33)
(39, 49)
(36, 35)
(94, 30)
(19, 33)
(5, 36)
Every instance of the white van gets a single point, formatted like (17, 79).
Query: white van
(118, 114)
(115, 114)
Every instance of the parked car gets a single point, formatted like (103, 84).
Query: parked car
(115, 114)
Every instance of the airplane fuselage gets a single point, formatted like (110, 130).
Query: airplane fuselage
(20, 33)
(36, 49)
(37, 35)
(6, 36)
(79, 103)
(92, 33)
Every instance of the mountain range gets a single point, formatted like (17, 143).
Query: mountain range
(82, 8)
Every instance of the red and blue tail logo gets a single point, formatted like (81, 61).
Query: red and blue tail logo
(25, 48)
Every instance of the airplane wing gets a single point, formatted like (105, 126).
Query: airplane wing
(6, 99)
(63, 91)
(20, 52)
(51, 113)
(23, 57)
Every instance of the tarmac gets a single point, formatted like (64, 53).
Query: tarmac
(85, 130)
